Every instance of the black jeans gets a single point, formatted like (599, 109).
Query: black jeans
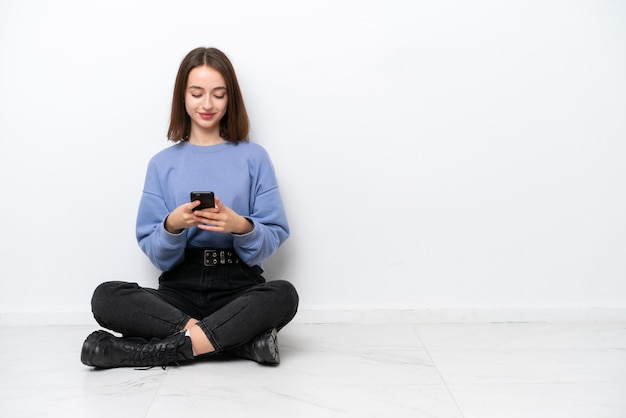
(233, 303)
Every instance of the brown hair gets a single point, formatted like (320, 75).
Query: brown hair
(234, 126)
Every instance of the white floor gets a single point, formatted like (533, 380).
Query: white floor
(502, 370)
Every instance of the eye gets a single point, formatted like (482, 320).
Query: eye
(196, 95)
(219, 97)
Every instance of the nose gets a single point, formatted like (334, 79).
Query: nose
(207, 103)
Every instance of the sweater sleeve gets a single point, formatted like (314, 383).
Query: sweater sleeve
(268, 215)
(165, 250)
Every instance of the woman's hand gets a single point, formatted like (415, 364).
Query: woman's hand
(181, 218)
(221, 218)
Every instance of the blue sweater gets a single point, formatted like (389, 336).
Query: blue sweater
(241, 175)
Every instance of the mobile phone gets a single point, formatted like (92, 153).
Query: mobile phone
(207, 199)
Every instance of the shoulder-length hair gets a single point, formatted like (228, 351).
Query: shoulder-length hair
(234, 126)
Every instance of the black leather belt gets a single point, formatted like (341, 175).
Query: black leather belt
(209, 257)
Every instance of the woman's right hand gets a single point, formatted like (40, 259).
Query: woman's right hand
(181, 218)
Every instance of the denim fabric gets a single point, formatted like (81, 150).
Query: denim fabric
(233, 303)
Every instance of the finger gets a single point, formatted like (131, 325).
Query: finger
(207, 217)
(192, 205)
(200, 216)
(219, 204)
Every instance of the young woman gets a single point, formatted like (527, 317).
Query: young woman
(211, 296)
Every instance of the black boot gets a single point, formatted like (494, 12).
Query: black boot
(105, 350)
(263, 349)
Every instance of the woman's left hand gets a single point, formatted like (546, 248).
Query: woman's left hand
(223, 219)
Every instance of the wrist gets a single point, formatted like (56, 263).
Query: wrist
(245, 225)
(170, 228)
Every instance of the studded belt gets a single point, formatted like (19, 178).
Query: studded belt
(210, 257)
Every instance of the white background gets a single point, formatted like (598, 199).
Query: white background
(431, 155)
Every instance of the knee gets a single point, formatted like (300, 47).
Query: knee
(104, 294)
(293, 293)
(288, 295)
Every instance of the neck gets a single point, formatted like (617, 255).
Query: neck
(205, 138)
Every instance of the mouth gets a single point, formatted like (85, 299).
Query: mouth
(207, 116)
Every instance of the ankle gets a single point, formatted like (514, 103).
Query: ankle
(191, 323)
(199, 341)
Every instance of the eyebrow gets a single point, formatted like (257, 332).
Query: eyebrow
(200, 88)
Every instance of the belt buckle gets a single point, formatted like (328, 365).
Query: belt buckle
(214, 257)
(210, 258)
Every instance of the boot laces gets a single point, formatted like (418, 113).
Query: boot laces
(155, 353)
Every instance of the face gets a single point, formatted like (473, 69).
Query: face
(205, 99)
